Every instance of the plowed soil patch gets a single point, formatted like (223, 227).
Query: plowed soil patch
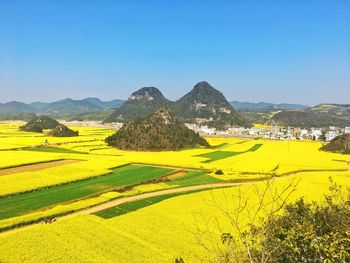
(176, 175)
(35, 167)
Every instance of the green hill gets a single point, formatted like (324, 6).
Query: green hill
(323, 115)
(40, 123)
(160, 131)
(206, 103)
(140, 104)
(62, 131)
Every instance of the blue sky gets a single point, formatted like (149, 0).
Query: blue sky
(275, 51)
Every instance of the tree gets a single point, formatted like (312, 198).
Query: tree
(274, 230)
(310, 232)
(249, 205)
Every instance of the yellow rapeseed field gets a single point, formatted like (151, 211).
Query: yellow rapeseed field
(158, 233)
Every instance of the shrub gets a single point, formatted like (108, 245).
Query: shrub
(219, 172)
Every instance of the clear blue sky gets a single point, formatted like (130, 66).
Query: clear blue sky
(275, 51)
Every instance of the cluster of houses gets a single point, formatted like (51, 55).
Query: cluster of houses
(269, 132)
(275, 132)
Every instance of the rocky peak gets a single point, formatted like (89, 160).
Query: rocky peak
(164, 115)
(146, 93)
(206, 102)
(141, 103)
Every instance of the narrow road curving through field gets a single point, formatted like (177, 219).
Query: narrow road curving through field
(122, 200)
(119, 201)
(116, 202)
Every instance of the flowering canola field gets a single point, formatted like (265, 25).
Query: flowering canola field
(157, 233)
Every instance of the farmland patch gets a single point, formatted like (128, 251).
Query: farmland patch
(218, 155)
(53, 150)
(27, 202)
(36, 166)
(133, 206)
(193, 178)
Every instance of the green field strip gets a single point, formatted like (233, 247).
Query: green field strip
(255, 147)
(218, 155)
(53, 150)
(87, 145)
(221, 145)
(132, 206)
(193, 178)
(136, 205)
(20, 204)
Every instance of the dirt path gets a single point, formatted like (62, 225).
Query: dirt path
(129, 199)
(35, 167)
(123, 200)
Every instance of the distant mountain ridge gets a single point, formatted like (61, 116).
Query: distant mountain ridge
(14, 108)
(265, 105)
(322, 115)
(200, 104)
(61, 108)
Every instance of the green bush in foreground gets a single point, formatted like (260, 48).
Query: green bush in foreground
(304, 232)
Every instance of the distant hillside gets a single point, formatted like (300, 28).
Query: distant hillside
(264, 106)
(39, 106)
(319, 116)
(335, 110)
(91, 116)
(67, 107)
(140, 104)
(258, 115)
(104, 104)
(210, 105)
(60, 109)
(14, 108)
(26, 116)
(160, 131)
(340, 144)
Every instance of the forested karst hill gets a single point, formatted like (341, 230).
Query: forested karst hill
(160, 131)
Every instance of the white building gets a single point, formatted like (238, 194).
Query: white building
(222, 109)
(303, 133)
(206, 130)
(315, 133)
(347, 130)
(253, 131)
(330, 135)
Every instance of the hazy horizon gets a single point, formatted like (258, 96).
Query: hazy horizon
(296, 52)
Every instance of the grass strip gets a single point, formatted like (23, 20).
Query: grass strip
(193, 178)
(52, 149)
(218, 155)
(136, 205)
(27, 202)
